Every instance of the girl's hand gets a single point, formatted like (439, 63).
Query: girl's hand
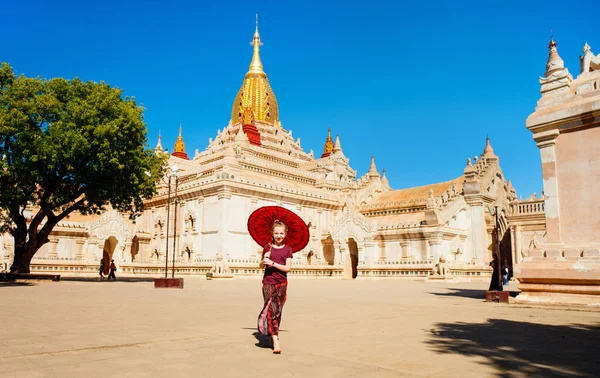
(268, 254)
(267, 261)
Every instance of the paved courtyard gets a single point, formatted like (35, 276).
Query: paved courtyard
(330, 328)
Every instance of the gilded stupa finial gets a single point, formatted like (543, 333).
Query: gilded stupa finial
(256, 66)
(179, 150)
(328, 149)
(256, 94)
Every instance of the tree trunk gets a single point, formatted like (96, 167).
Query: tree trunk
(24, 252)
(23, 255)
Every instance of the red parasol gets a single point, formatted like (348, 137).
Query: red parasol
(260, 221)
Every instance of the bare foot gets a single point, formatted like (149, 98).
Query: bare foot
(276, 346)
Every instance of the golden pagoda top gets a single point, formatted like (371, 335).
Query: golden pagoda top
(179, 150)
(328, 144)
(256, 93)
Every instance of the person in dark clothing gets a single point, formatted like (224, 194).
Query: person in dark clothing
(101, 270)
(496, 283)
(113, 269)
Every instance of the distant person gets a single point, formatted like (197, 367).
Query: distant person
(101, 270)
(496, 283)
(504, 276)
(113, 269)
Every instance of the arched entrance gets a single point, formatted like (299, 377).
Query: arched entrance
(328, 250)
(506, 253)
(135, 248)
(353, 250)
(109, 248)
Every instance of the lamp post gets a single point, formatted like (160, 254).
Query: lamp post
(168, 216)
(170, 282)
(174, 170)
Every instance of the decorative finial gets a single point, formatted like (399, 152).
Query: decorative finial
(373, 169)
(586, 48)
(338, 146)
(329, 146)
(179, 150)
(256, 65)
(159, 147)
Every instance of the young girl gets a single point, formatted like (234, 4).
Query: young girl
(277, 261)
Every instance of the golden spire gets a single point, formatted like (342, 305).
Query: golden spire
(256, 93)
(179, 150)
(328, 144)
(256, 65)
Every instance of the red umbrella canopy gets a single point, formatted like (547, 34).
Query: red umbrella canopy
(260, 221)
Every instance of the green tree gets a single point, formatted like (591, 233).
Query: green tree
(65, 146)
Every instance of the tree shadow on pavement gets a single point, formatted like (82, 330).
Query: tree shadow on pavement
(518, 349)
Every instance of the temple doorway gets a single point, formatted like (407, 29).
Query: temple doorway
(135, 248)
(107, 253)
(506, 253)
(353, 249)
(328, 250)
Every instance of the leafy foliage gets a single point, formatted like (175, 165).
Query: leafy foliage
(68, 145)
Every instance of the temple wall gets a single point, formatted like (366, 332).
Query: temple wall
(578, 177)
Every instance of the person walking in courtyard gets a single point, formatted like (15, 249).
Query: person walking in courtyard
(101, 270)
(280, 232)
(277, 262)
(113, 269)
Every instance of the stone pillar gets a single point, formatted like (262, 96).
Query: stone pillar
(370, 258)
(513, 244)
(318, 227)
(94, 253)
(224, 202)
(382, 255)
(361, 254)
(199, 228)
(405, 244)
(79, 249)
(337, 254)
(428, 255)
(144, 253)
(546, 141)
(518, 244)
(52, 245)
(435, 242)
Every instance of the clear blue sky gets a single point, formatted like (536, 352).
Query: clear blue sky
(417, 83)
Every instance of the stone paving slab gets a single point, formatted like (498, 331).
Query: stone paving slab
(330, 328)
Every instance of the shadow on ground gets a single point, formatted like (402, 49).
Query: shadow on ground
(15, 283)
(519, 349)
(263, 341)
(469, 293)
(119, 279)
